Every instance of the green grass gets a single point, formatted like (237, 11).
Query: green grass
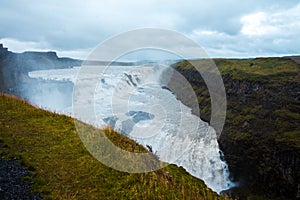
(261, 130)
(253, 69)
(258, 66)
(62, 168)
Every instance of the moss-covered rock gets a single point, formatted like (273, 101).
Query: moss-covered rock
(261, 135)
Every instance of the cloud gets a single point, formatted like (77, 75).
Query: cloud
(285, 23)
(21, 46)
(257, 27)
(257, 24)
(262, 33)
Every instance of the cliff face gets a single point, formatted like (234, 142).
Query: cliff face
(3, 50)
(261, 138)
(14, 68)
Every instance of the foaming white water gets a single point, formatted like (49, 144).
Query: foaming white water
(132, 100)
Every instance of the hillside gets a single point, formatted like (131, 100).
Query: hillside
(61, 168)
(260, 139)
(261, 136)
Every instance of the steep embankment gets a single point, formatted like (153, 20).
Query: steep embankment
(261, 136)
(61, 167)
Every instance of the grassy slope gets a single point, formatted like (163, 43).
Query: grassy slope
(273, 74)
(276, 75)
(262, 125)
(62, 168)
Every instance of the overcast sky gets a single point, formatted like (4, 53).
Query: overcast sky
(224, 28)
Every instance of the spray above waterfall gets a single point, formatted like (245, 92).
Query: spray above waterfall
(140, 102)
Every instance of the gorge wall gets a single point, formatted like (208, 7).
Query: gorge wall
(260, 139)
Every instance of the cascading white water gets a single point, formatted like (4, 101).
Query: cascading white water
(133, 101)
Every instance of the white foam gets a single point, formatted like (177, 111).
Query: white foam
(176, 135)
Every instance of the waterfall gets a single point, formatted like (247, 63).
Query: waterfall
(135, 101)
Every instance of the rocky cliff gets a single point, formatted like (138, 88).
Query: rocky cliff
(261, 138)
(14, 68)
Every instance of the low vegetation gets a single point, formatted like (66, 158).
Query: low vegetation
(49, 146)
(261, 137)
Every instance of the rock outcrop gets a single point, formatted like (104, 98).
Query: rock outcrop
(260, 139)
(14, 68)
